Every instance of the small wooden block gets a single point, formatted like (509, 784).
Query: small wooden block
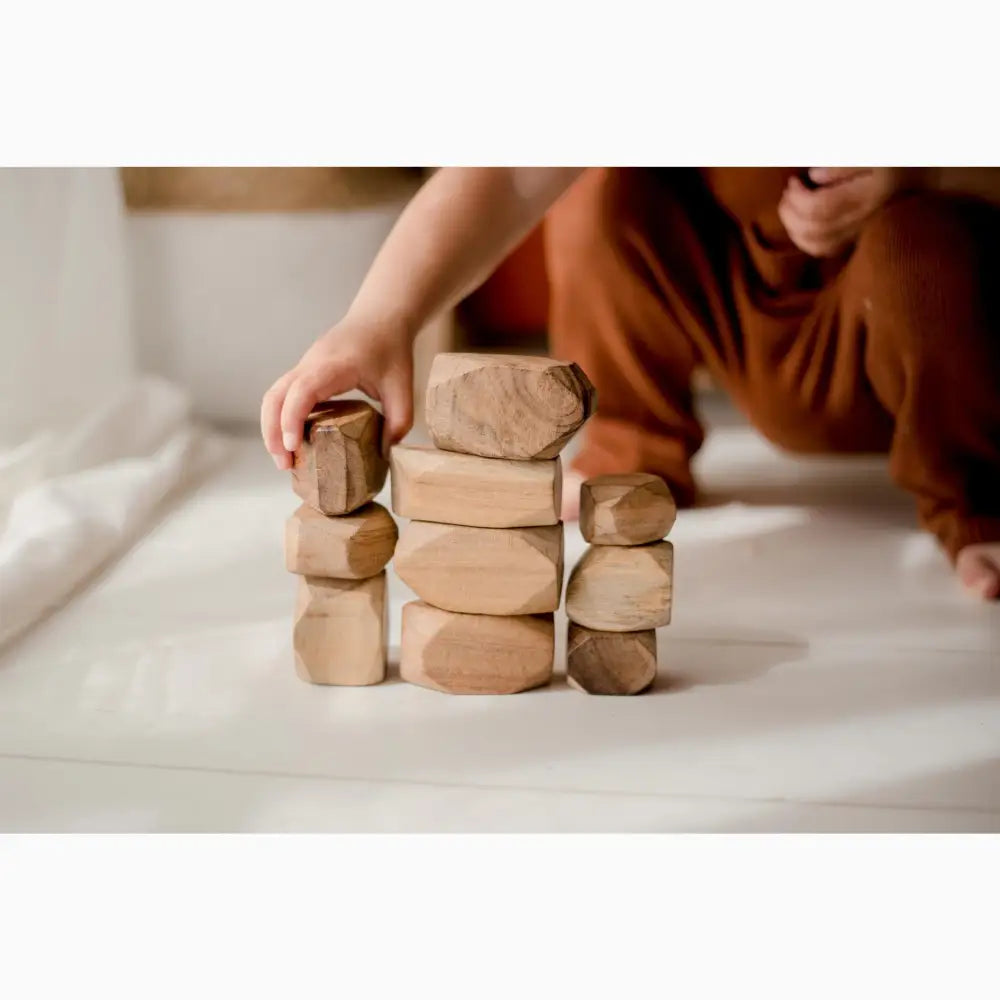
(629, 509)
(505, 406)
(488, 571)
(353, 547)
(339, 466)
(444, 486)
(610, 662)
(340, 630)
(475, 654)
(617, 589)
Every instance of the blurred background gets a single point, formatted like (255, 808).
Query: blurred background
(260, 261)
(221, 276)
(257, 262)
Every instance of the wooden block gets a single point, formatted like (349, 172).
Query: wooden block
(610, 662)
(629, 509)
(353, 547)
(618, 589)
(444, 486)
(475, 654)
(488, 571)
(505, 406)
(339, 466)
(340, 630)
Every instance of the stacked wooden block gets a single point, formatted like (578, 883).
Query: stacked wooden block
(621, 589)
(339, 542)
(484, 546)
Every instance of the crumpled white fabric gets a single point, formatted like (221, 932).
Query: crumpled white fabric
(89, 447)
(75, 497)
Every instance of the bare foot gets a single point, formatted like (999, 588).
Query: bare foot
(572, 481)
(978, 567)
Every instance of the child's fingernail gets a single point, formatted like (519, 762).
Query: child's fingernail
(288, 440)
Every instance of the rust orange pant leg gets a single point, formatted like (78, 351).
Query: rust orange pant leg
(636, 265)
(924, 280)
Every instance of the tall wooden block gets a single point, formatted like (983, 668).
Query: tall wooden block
(503, 406)
(339, 466)
(475, 654)
(629, 509)
(444, 486)
(610, 662)
(489, 571)
(352, 547)
(340, 630)
(618, 589)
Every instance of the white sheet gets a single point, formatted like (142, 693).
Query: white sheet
(95, 486)
(88, 447)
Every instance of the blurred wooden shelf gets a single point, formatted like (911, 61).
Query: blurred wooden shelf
(265, 189)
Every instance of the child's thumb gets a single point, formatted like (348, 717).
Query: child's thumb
(396, 394)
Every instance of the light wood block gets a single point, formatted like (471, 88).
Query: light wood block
(489, 571)
(505, 406)
(444, 486)
(340, 630)
(618, 589)
(610, 662)
(339, 466)
(353, 547)
(475, 654)
(629, 509)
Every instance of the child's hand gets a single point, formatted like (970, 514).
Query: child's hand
(375, 358)
(824, 221)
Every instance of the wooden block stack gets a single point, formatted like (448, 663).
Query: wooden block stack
(484, 548)
(339, 542)
(621, 589)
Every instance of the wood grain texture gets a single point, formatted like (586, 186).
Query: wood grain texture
(475, 654)
(489, 571)
(617, 589)
(444, 486)
(506, 406)
(610, 662)
(339, 465)
(265, 189)
(628, 509)
(340, 631)
(352, 547)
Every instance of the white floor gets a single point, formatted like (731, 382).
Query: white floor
(823, 672)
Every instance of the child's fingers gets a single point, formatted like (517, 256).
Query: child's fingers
(818, 239)
(833, 175)
(305, 391)
(831, 205)
(270, 420)
(396, 392)
(301, 397)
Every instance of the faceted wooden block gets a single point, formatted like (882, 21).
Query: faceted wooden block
(475, 654)
(629, 509)
(488, 571)
(340, 630)
(352, 547)
(444, 486)
(504, 406)
(618, 589)
(339, 465)
(610, 662)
